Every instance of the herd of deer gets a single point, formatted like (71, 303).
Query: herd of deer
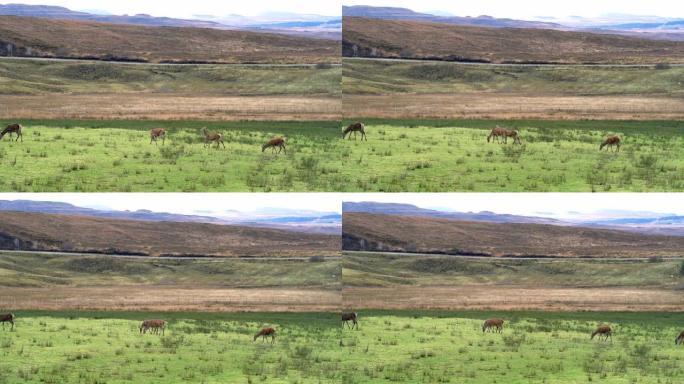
(499, 133)
(157, 326)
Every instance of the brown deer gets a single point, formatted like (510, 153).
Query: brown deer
(13, 128)
(496, 132)
(155, 325)
(157, 133)
(605, 331)
(493, 324)
(512, 133)
(210, 137)
(265, 332)
(354, 128)
(680, 339)
(609, 142)
(7, 318)
(353, 317)
(276, 142)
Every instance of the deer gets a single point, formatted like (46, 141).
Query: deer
(276, 142)
(210, 137)
(13, 128)
(354, 128)
(353, 317)
(155, 325)
(680, 339)
(7, 318)
(493, 324)
(603, 330)
(609, 142)
(157, 133)
(512, 133)
(496, 132)
(265, 332)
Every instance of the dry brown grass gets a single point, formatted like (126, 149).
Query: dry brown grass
(73, 39)
(171, 298)
(153, 106)
(38, 231)
(413, 39)
(502, 297)
(512, 106)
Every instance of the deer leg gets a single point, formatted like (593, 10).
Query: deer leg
(163, 140)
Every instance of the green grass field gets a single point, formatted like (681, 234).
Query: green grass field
(400, 155)
(30, 77)
(535, 347)
(41, 270)
(106, 347)
(453, 155)
(381, 270)
(383, 77)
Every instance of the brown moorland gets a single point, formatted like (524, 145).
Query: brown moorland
(395, 233)
(49, 232)
(37, 37)
(364, 37)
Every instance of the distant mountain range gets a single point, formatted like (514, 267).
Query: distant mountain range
(310, 222)
(652, 27)
(328, 27)
(671, 225)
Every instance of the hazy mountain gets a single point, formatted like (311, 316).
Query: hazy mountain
(307, 221)
(639, 222)
(318, 26)
(393, 13)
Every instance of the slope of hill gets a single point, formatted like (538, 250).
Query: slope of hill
(36, 37)
(396, 233)
(365, 37)
(49, 232)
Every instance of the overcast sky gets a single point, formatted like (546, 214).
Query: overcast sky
(208, 204)
(198, 7)
(530, 9)
(556, 205)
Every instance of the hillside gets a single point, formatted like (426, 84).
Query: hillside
(394, 233)
(37, 37)
(364, 37)
(38, 231)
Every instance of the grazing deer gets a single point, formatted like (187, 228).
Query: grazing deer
(493, 324)
(605, 331)
(265, 332)
(610, 141)
(353, 317)
(157, 133)
(496, 133)
(210, 137)
(680, 338)
(512, 133)
(155, 325)
(7, 318)
(354, 128)
(13, 128)
(276, 142)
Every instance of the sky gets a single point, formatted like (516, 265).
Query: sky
(570, 206)
(207, 204)
(531, 9)
(186, 9)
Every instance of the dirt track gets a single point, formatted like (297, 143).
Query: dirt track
(514, 298)
(512, 106)
(171, 298)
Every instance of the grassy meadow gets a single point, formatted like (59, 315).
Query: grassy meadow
(400, 155)
(106, 347)
(535, 347)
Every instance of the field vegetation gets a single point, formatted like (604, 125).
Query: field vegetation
(106, 347)
(535, 347)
